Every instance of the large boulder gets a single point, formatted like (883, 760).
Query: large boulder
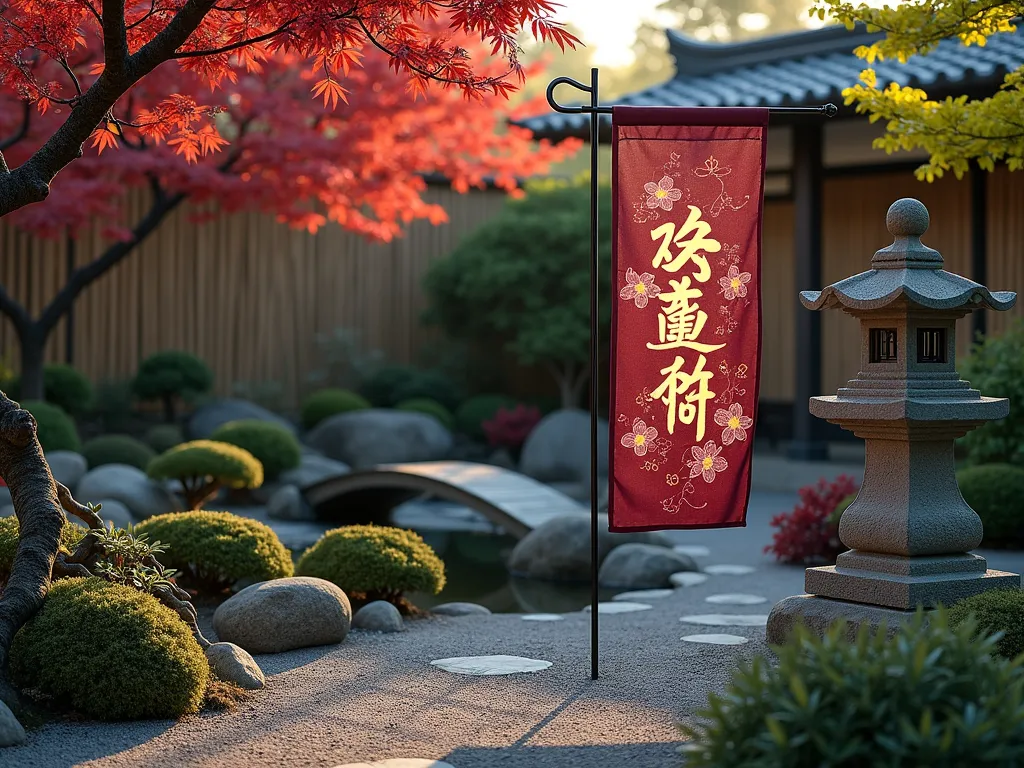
(113, 511)
(287, 503)
(311, 470)
(5, 496)
(367, 438)
(67, 467)
(208, 417)
(130, 486)
(559, 550)
(558, 448)
(642, 566)
(284, 614)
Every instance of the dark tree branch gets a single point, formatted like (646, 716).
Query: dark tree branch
(15, 311)
(18, 135)
(235, 46)
(115, 41)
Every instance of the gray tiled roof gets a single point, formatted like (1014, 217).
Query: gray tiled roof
(802, 68)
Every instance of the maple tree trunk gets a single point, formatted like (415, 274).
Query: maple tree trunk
(570, 384)
(32, 343)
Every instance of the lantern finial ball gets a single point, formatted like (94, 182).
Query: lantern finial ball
(907, 217)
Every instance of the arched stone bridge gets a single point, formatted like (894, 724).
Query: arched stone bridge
(515, 502)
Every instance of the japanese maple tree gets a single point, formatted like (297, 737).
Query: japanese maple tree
(311, 110)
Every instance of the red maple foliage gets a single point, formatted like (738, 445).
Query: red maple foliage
(510, 427)
(309, 110)
(810, 534)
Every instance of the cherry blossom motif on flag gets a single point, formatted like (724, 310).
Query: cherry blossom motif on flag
(639, 288)
(662, 194)
(641, 438)
(706, 461)
(734, 283)
(734, 423)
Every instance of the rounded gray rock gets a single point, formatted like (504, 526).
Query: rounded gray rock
(366, 438)
(287, 503)
(67, 467)
(5, 496)
(234, 665)
(642, 566)
(7, 510)
(284, 614)
(130, 486)
(378, 616)
(559, 550)
(312, 469)
(460, 609)
(558, 448)
(113, 511)
(208, 417)
(11, 731)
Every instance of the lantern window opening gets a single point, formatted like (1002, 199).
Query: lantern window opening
(931, 345)
(883, 345)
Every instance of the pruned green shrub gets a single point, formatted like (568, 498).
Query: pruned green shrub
(70, 535)
(999, 610)
(996, 367)
(275, 446)
(471, 415)
(55, 429)
(163, 437)
(372, 562)
(204, 466)
(117, 449)
(934, 697)
(169, 375)
(63, 385)
(330, 402)
(429, 407)
(213, 550)
(429, 385)
(110, 652)
(995, 491)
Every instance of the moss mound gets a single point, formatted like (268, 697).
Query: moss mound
(994, 491)
(55, 429)
(111, 652)
(378, 562)
(70, 535)
(213, 550)
(117, 449)
(429, 407)
(276, 448)
(1000, 610)
(330, 402)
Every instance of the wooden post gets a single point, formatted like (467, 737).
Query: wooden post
(979, 239)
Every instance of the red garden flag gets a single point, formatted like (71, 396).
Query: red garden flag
(686, 324)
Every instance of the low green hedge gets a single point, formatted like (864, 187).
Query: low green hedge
(330, 402)
(429, 407)
(1000, 610)
(111, 652)
(276, 448)
(117, 449)
(54, 427)
(995, 491)
(63, 386)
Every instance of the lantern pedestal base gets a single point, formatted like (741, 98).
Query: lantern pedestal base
(819, 614)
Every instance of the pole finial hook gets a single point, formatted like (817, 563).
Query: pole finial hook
(565, 81)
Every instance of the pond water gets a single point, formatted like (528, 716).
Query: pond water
(475, 555)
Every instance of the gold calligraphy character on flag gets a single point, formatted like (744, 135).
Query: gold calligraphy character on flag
(692, 387)
(688, 249)
(681, 322)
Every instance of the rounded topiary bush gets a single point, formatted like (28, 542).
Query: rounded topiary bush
(70, 535)
(995, 491)
(996, 367)
(935, 697)
(168, 375)
(471, 415)
(163, 437)
(111, 652)
(276, 448)
(330, 402)
(117, 449)
(63, 385)
(55, 429)
(999, 610)
(203, 466)
(428, 385)
(372, 562)
(213, 550)
(429, 407)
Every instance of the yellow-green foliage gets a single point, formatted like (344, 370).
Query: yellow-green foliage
(276, 448)
(330, 402)
(374, 559)
(955, 130)
(70, 535)
(216, 549)
(54, 428)
(111, 652)
(229, 465)
(429, 407)
(117, 449)
(1000, 610)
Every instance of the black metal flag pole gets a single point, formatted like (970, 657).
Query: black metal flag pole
(594, 109)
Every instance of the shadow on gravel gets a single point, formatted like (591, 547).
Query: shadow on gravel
(656, 755)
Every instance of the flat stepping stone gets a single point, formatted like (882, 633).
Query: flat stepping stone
(728, 570)
(400, 762)
(620, 607)
(728, 619)
(735, 599)
(687, 579)
(644, 594)
(693, 550)
(715, 639)
(490, 665)
(542, 617)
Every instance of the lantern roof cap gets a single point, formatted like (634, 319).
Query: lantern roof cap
(907, 269)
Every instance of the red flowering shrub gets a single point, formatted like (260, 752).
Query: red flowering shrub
(809, 533)
(510, 427)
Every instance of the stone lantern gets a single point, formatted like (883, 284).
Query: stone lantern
(910, 532)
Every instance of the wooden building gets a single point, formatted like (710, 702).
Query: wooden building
(827, 192)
